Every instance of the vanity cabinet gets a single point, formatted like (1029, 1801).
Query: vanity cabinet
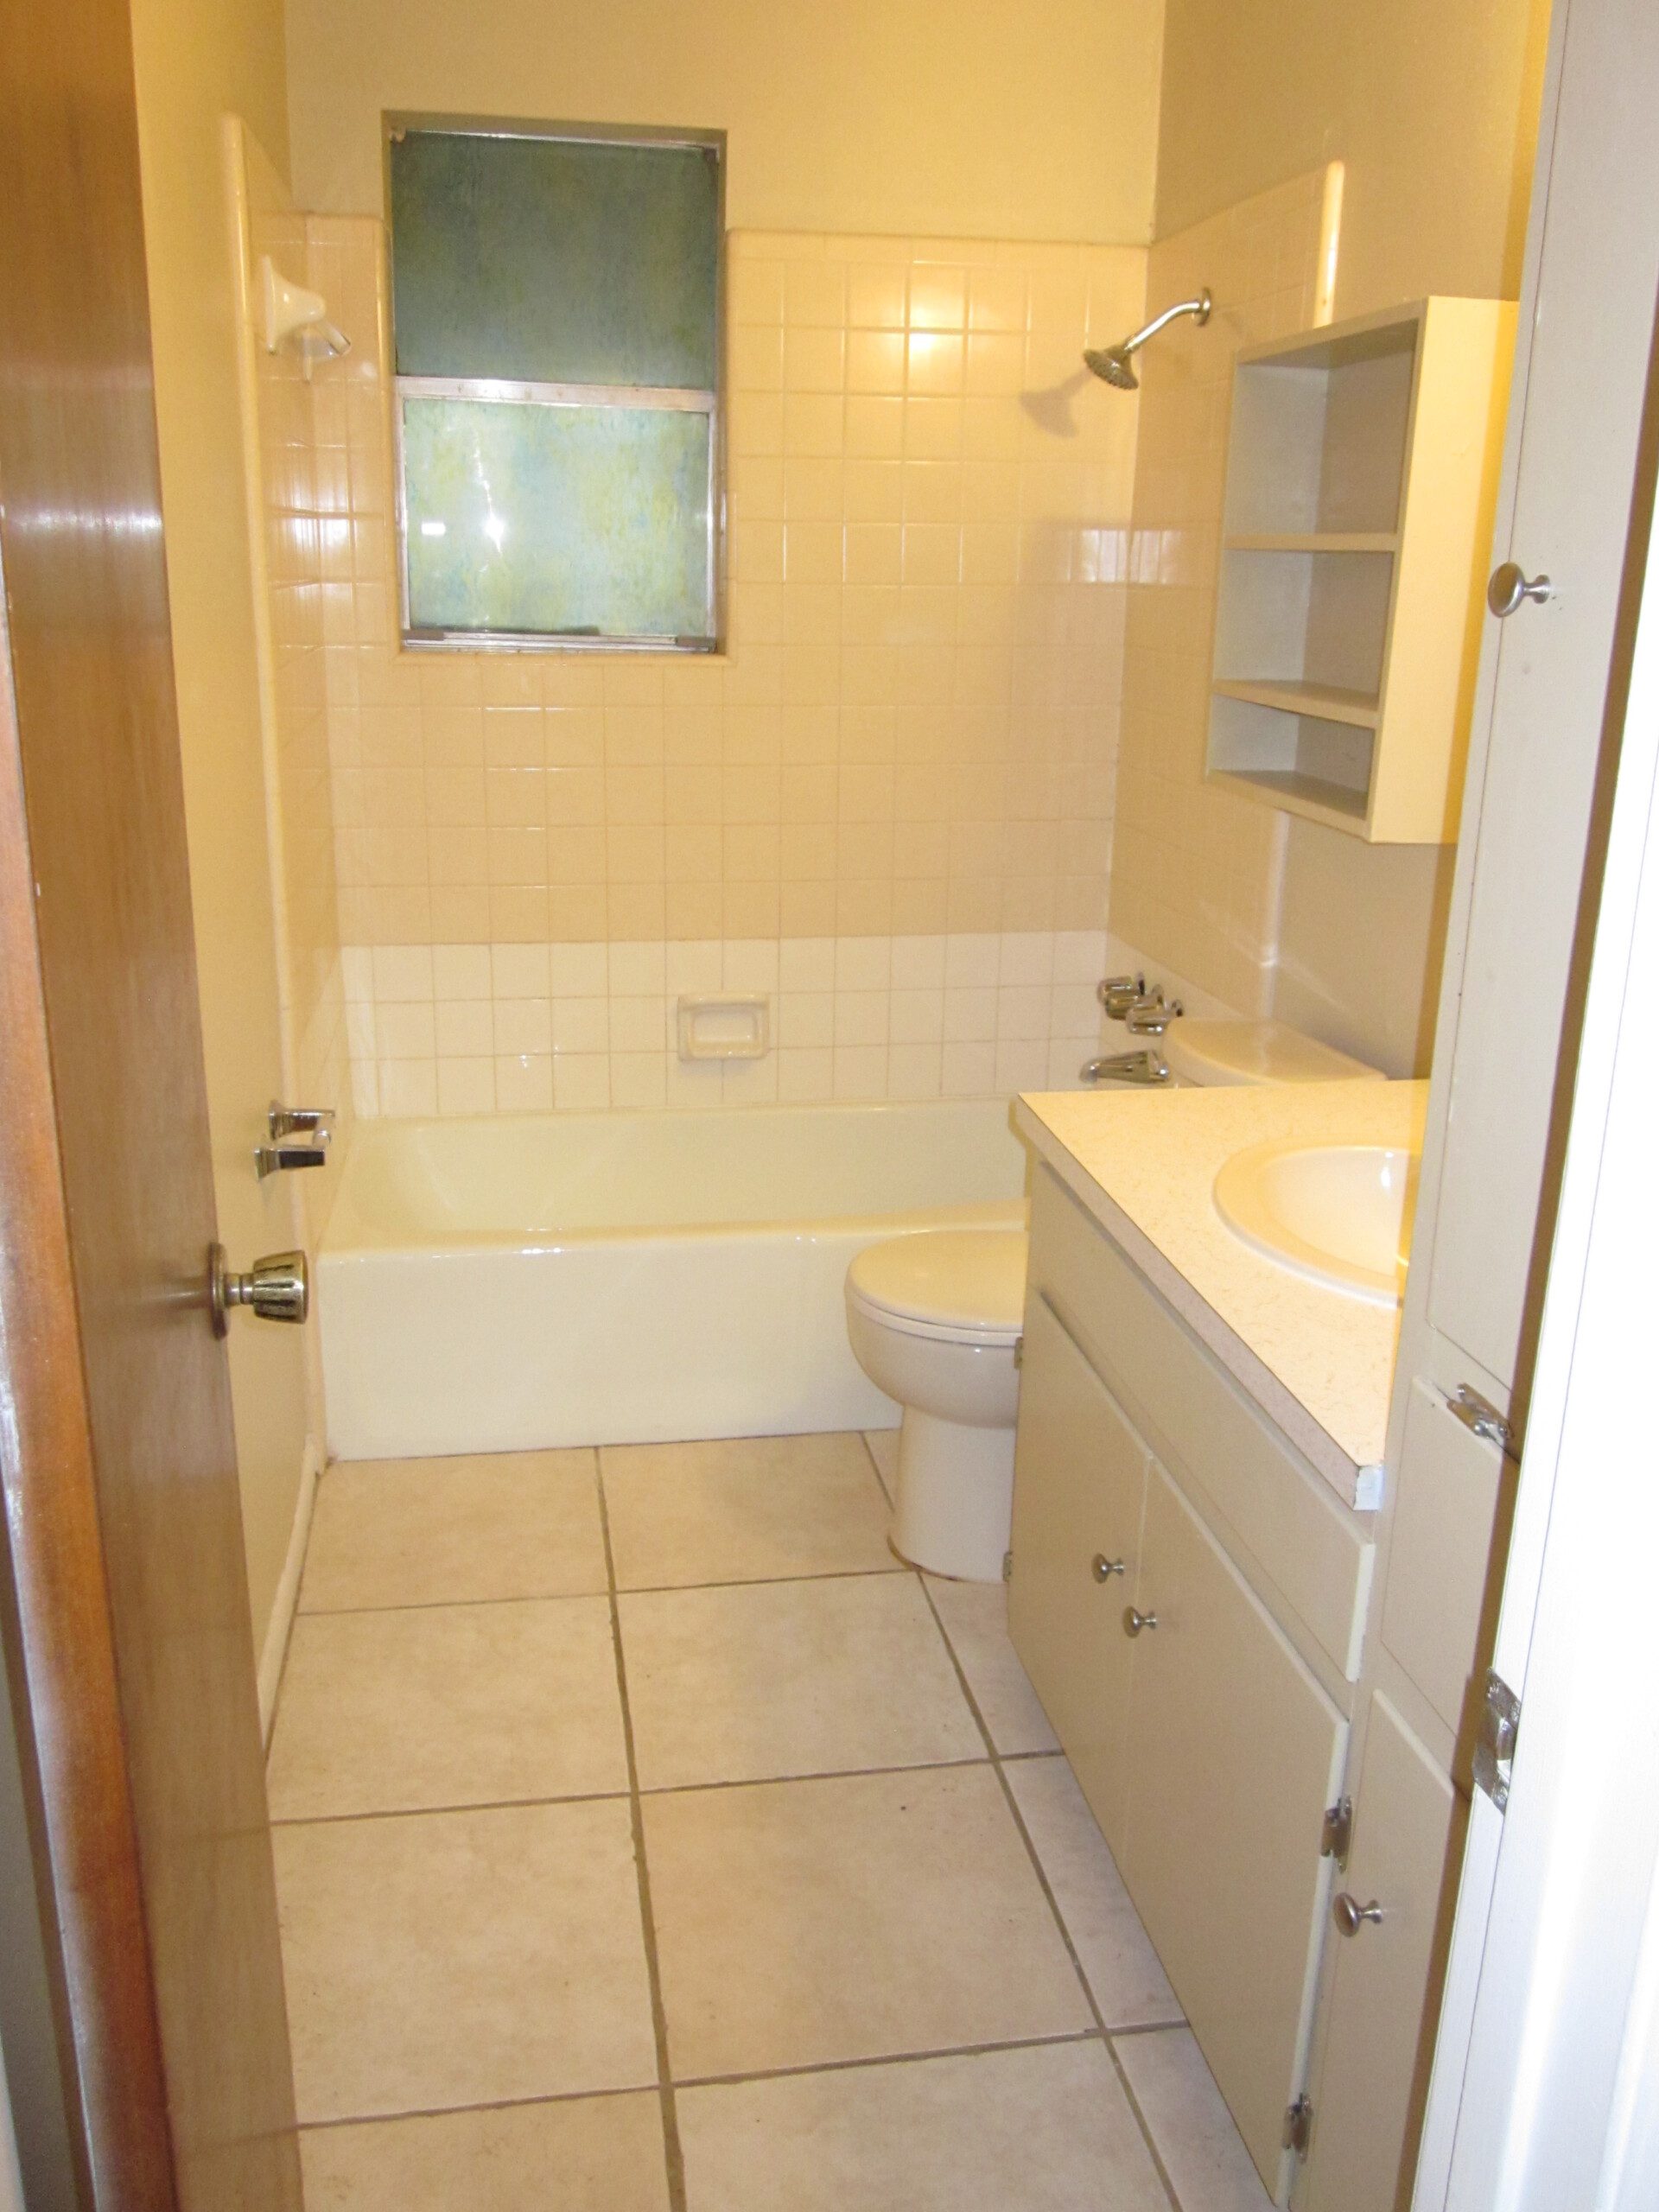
(1379, 2036)
(1233, 1753)
(1076, 1543)
(1195, 1677)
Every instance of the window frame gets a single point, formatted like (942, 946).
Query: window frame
(395, 123)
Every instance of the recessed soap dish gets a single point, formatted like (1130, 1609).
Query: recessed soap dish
(724, 1025)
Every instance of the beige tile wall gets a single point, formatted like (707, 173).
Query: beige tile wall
(1196, 871)
(911, 733)
(291, 518)
(511, 1027)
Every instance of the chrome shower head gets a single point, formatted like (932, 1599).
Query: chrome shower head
(1114, 363)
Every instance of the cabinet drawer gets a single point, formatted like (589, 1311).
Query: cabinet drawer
(1301, 1541)
(1449, 1485)
(1079, 1480)
(1234, 1751)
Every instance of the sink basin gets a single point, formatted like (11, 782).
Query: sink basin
(1338, 1214)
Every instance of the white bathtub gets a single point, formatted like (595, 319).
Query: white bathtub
(502, 1284)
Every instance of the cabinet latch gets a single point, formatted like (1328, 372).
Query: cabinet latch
(1299, 2126)
(1337, 1832)
(1500, 1724)
(1479, 1415)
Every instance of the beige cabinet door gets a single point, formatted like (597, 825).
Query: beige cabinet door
(1368, 2095)
(1235, 1751)
(1078, 1482)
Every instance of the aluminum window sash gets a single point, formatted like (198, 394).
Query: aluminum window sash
(524, 641)
(498, 391)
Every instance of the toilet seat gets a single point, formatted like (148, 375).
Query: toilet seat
(954, 1285)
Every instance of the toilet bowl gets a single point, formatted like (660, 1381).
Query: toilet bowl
(933, 1320)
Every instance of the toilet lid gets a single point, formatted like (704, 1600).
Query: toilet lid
(969, 1281)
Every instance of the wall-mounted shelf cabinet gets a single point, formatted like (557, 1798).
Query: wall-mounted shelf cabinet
(1362, 473)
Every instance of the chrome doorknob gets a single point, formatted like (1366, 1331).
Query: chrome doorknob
(1103, 1568)
(1350, 1916)
(1510, 585)
(277, 1287)
(1133, 1622)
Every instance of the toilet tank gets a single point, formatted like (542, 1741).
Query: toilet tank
(1211, 1053)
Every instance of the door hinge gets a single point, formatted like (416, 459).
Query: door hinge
(1337, 1832)
(1019, 1352)
(1007, 1567)
(1500, 1724)
(1479, 1415)
(1299, 2126)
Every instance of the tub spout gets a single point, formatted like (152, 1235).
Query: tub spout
(1147, 1068)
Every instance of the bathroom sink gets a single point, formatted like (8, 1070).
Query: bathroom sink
(1340, 1214)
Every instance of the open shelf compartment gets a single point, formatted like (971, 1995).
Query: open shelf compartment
(1361, 477)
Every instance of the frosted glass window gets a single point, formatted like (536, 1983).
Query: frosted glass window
(573, 521)
(555, 314)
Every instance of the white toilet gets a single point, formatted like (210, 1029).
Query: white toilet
(934, 1319)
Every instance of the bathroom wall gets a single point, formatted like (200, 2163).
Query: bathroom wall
(290, 502)
(193, 60)
(1196, 872)
(902, 116)
(887, 805)
(1432, 112)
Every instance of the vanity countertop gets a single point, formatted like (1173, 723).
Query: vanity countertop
(1320, 1364)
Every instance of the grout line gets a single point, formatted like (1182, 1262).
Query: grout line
(889, 2058)
(630, 1590)
(483, 2104)
(713, 2080)
(672, 2151)
(1089, 1998)
(607, 1796)
(881, 1480)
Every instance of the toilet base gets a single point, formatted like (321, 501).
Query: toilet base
(955, 1497)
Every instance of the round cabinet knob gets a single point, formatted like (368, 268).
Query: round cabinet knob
(1133, 1622)
(1510, 585)
(1104, 1568)
(1350, 1916)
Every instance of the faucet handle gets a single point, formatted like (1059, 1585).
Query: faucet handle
(1151, 1014)
(301, 1120)
(1117, 994)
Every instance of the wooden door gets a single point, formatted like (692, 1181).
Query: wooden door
(1368, 2095)
(124, 1598)
(1079, 1480)
(1234, 1751)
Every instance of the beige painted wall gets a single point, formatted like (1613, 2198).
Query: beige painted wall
(195, 59)
(1433, 112)
(1432, 108)
(1012, 118)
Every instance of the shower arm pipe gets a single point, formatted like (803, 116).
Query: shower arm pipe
(1197, 308)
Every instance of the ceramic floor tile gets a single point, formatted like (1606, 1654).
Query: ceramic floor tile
(1117, 1956)
(1045, 2130)
(884, 1450)
(976, 1617)
(438, 1960)
(753, 1680)
(745, 1510)
(857, 1917)
(586, 2154)
(434, 1532)
(447, 1705)
(1202, 2150)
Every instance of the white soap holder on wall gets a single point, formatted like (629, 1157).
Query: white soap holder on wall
(724, 1025)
